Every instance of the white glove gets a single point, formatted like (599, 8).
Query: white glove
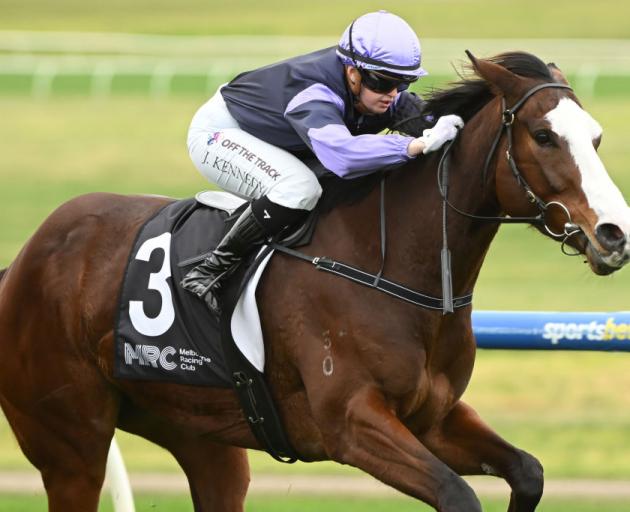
(444, 130)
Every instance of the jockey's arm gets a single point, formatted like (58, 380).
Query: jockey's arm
(316, 114)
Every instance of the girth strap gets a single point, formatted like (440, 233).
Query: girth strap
(251, 385)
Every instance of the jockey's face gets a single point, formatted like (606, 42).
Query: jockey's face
(369, 101)
(376, 102)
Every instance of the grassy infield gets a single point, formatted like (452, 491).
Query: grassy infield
(569, 409)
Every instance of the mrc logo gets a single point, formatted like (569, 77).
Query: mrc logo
(150, 355)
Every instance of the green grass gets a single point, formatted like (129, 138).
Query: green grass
(457, 18)
(291, 503)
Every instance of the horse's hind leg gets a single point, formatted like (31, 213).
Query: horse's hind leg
(218, 474)
(65, 433)
(470, 447)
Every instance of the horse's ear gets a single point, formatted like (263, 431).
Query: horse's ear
(502, 81)
(558, 75)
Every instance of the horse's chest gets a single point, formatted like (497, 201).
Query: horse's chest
(427, 388)
(431, 396)
(437, 393)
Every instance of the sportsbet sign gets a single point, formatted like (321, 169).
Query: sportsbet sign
(552, 330)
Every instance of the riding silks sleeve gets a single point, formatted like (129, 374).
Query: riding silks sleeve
(316, 114)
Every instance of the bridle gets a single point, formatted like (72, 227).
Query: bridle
(508, 116)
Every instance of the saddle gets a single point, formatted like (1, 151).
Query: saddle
(164, 333)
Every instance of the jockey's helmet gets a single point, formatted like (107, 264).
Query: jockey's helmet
(382, 42)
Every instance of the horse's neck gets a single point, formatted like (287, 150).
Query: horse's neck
(413, 208)
(415, 204)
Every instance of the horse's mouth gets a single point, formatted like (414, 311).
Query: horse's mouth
(601, 263)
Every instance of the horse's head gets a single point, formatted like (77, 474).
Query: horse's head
(554, 149)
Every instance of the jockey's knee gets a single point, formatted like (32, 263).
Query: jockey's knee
(299, 191)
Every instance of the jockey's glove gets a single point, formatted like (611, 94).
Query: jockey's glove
(444, 130)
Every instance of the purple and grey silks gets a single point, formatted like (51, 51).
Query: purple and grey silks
(304, 106)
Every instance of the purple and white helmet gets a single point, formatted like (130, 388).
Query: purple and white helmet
(382, 41)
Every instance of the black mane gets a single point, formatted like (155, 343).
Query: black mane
(467, 96)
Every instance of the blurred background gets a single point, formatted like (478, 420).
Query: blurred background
(97, 96)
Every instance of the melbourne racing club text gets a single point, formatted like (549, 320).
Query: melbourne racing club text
(167, 358)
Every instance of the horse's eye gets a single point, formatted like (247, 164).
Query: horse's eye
(543, 138)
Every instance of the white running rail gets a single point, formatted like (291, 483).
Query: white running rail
(101, 56)
(118, 480)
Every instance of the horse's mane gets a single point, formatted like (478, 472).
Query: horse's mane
(469, 95)
(464, 98)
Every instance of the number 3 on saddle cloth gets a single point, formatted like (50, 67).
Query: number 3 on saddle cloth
(164, 332)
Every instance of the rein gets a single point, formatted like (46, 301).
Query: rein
(376, 281)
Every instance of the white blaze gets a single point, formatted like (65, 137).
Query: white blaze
(579, 129)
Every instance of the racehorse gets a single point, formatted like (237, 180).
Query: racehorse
(388, 399)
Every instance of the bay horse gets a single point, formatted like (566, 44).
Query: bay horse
(389, 400)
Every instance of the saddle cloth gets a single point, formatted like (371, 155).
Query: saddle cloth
(164, 333)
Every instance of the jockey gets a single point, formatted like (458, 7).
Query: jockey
(330, 104)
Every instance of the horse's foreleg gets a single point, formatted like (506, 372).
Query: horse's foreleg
(374, 440)
(470, 447)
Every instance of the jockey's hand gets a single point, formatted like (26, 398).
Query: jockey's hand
(434, 138)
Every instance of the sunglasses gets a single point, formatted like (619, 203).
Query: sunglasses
(380, 82)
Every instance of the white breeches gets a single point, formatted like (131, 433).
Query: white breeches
(245, 165)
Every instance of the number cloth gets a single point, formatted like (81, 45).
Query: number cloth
(162, 331)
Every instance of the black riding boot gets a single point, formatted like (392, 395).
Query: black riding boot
(205, 279)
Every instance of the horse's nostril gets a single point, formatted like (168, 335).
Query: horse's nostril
(610, 236)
